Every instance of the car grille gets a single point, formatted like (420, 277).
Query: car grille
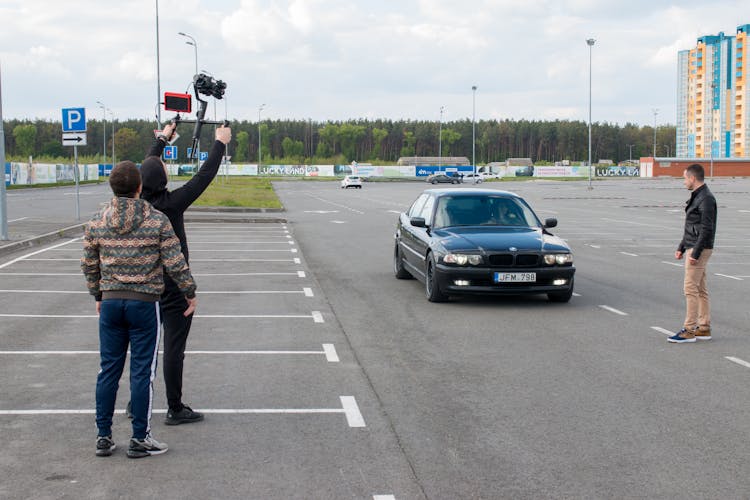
(514, 260)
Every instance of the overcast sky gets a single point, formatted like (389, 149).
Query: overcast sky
(342, 59)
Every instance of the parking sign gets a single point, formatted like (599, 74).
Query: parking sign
(204, 155)
(74, 119)
(170, 153)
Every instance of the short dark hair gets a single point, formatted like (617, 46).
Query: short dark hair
(696, 171)
(125, 179)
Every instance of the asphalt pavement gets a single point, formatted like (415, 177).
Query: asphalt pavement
(325, 377)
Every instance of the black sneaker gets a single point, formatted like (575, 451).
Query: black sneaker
(145, 447)
(184, 416)
(104, 446)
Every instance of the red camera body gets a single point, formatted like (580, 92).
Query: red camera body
(182, 103)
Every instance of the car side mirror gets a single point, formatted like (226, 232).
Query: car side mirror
(550, 223)
(418, 222)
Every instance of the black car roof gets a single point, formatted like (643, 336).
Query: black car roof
(470, 192)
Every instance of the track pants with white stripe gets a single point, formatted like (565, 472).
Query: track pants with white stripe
(123, 322)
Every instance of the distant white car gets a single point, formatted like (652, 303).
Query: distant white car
(351, 181)
(472, 179)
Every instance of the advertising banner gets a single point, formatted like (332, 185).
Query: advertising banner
(617, 171)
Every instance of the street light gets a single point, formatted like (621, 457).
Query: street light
(590, 43)
(158, 72)
(113, 136)
(474, 131)
(630, 147)
(260, 157)
(440, 139)
(195, 46)
(656, 112)
(104, 144)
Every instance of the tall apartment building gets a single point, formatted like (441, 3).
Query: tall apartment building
(713, 105)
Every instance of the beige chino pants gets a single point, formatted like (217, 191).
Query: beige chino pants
(698, 311)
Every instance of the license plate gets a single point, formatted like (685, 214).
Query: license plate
(515, 277)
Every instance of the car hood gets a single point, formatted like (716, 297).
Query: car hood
(498, 239)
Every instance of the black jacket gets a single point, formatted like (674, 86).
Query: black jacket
(174, 203)
(700, 222)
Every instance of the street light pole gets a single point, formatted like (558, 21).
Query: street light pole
(590, 43)
(440, 139)
(630, 147)
(260, 145)
(474, 131)
(195, 46)
(158, 71)
(104, 145)
(113, 136)
(3, 196)
(656, 112)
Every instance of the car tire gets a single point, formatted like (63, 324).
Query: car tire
(562, 296)
(431, 287)
(454, 182)
(433, 181)
(398, 265)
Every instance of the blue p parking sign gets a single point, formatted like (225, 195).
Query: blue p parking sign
(74, 119)
(204, 155)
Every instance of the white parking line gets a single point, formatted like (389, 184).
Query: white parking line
(671, 263)
(308, 292)
(301, 274)
(43, 274)
(26, 257)
(593, 246)
(246, 274)
(613, 310)
(316, 316)
(662, 330)
(44, 291)
(728, 276)
(348, 407)
(297, 260)
(739, 361)
(16, 220)
(383, 497)
(329, 351)
(576, 294)
(629, 254)
(282, 250)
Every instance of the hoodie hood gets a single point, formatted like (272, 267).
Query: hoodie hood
(124, 215)
(154, 178)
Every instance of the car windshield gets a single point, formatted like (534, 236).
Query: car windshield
(483, 210)
(353, 178)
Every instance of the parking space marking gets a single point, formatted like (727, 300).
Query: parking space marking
(728, 276)
(337, 205)
(353, 415)
(662, 330)
(26, 257)
(40, 274)
(739, 361)
(316, 316)
(576, 294)
(383, 497)
(329, 351)
(297, 260)
(301, 274)
(45, 291)
(671, 263)
(613, 310)
(241, 250)
(308, 292)
(245, 260)
(246, 274)
(593, 246)
(629, 254)
(348, 407)
(16, 220)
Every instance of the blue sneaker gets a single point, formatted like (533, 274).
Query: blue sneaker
(682, 337)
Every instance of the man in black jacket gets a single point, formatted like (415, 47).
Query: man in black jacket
(696, 246)
(173, 204)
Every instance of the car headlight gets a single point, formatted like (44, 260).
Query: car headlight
(558, 258)
(462, 259)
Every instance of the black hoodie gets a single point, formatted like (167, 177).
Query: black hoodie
(174, 203)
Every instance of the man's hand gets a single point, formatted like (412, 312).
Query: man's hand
(192, 303)
(98, 307)
(678, 255)
(169, 130)
(224, 134)
(691, 260)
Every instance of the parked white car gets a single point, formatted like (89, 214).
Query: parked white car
(471, 179)
(351, 181)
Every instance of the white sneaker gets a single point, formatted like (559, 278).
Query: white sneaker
(140, 448)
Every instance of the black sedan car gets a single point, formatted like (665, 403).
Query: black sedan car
(443, 179)
(481, 241)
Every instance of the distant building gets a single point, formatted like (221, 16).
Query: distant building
(713, 108)
(424, 161)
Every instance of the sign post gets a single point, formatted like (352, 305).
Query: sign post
(74, 134)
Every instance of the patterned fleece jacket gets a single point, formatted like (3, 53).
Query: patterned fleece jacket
(125, 247)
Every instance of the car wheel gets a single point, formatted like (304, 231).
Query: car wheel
(359, 187)
(454, 182)
(431, 287)
(562, 296)
(398, 265)
(433, 181)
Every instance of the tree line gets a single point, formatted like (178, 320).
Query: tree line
(373, 141)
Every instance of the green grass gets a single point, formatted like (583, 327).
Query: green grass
(251, 192)
(52, 184)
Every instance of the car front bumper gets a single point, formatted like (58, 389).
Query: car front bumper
(480, 280)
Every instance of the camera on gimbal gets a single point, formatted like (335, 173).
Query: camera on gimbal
(182, 103)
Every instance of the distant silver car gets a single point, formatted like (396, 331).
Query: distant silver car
(351, 181)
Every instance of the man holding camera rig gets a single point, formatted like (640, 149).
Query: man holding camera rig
(172, 304)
